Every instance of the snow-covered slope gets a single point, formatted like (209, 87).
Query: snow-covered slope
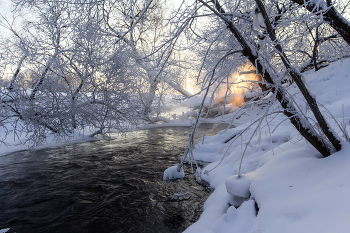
(293, 189)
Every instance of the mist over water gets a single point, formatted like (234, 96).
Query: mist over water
(100, 186)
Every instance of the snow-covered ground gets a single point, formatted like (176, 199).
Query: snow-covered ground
(286, 185)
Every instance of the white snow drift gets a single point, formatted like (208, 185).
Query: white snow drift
(286, 185)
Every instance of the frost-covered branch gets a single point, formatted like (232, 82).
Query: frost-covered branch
(330, 15)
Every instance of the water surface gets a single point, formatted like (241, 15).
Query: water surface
(100, 186)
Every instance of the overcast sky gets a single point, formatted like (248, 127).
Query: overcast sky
(5, 10)
(5, 5)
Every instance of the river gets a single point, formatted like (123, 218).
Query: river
(99, 186)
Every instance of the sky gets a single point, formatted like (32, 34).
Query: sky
(5, 10)
(5, 2)
(5, 6)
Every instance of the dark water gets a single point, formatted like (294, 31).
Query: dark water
(101, 186)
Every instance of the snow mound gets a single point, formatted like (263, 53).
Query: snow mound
(174, 172)
(238, 186)
(237, 220)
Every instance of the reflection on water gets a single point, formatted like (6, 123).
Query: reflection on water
(101, 186)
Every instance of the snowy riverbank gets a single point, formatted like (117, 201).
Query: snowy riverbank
(288, 185)
(12, 141)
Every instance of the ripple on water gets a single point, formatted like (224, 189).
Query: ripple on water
(100, 186)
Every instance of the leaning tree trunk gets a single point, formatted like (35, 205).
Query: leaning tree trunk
(150, 96)
(15, 75)
(297, 78)
(47, 67)
(299, 122)
(330, 15)
(176, 87)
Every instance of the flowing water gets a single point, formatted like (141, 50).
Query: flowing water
(99, 186)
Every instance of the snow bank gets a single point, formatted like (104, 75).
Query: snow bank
(298, 191)
(237, 220)
(286, 185)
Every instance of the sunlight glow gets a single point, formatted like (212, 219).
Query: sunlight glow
(241, 83)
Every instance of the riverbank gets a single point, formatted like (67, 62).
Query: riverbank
(176, 115)
(286, 185)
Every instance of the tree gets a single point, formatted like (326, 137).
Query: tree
(329, 14)
(89, 58)
(143, 41)
(79, 81)
(266, 51)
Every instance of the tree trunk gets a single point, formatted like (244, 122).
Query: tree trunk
(331, 16)
(176, 87)
(297, 78)
(10, 86)
(150, 97)
(301, 124)
(41, 79)
(47, 67)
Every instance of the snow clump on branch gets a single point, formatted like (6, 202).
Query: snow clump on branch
(173, 173)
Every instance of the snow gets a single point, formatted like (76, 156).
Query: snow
(238, 186)
(174, 172)
(175, 116)
(194, 102)
(12, 143)
(297, 189)
(237, 220)
(286, 185)
(321, 5)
